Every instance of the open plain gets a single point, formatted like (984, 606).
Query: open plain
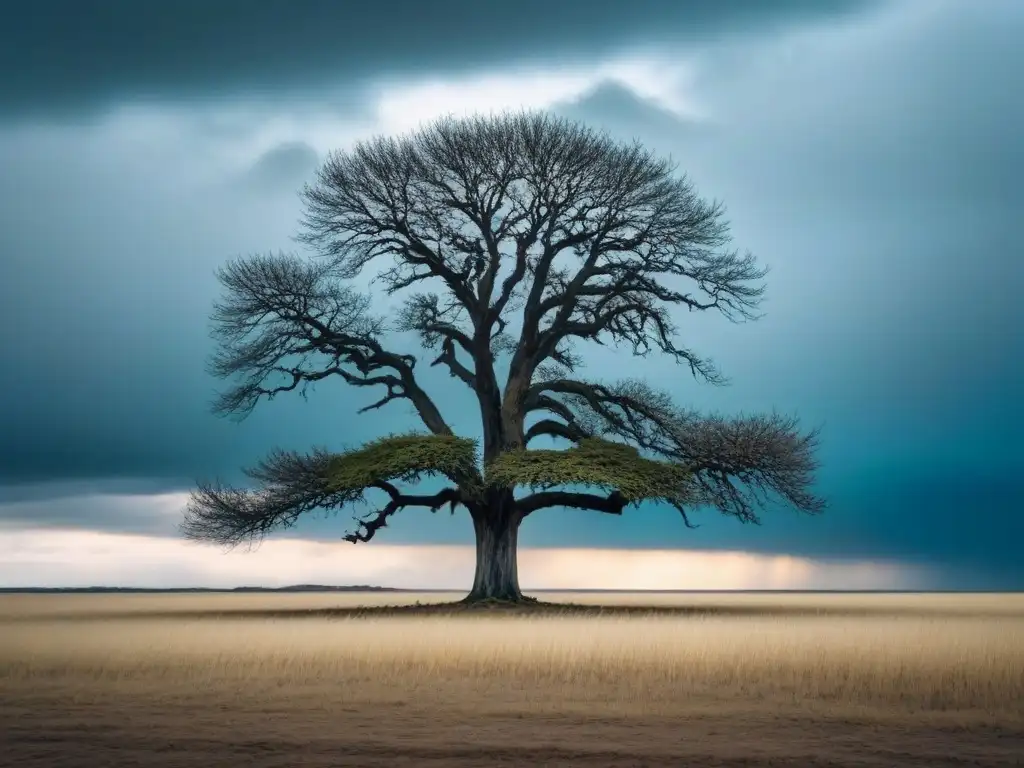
(335, 679)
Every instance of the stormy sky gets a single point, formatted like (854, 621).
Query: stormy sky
(868, 152)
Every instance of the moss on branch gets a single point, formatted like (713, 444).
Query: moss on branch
(402, 457)
(594, 462)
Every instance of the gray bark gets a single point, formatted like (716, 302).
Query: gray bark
(497, 537)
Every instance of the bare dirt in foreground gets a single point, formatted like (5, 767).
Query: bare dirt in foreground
(319, 680)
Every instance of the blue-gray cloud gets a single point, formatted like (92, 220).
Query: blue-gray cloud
(286, 166)
(144, 514)
(63, 57)
(874, 165)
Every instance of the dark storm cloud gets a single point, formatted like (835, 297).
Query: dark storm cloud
(64, 56)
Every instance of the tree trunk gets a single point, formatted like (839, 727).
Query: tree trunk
(497, 536)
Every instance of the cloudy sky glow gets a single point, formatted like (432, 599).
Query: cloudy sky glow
(869, 152)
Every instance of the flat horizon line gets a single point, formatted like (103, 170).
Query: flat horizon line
(314, 588)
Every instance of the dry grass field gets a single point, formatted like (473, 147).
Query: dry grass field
(668, 680)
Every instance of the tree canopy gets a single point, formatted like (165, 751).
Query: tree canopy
(515, 240)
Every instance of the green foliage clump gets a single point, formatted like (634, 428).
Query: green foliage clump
(594, 462)
(402, 457)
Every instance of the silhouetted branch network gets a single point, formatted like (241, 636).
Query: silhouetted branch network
(511, 239)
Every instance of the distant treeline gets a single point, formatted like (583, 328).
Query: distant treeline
(293, 588)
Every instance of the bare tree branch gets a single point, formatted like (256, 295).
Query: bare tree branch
(284, 323)
(637, 231)
(438, 326)
(738, 463)
(292, 484)
(596, 241)
(612, 504)
(289, 485)
(552, 428)
(369, 526)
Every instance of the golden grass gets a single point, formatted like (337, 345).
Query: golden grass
(278, 680)
(955, 653)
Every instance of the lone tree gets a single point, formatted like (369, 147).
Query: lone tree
(510, 241)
